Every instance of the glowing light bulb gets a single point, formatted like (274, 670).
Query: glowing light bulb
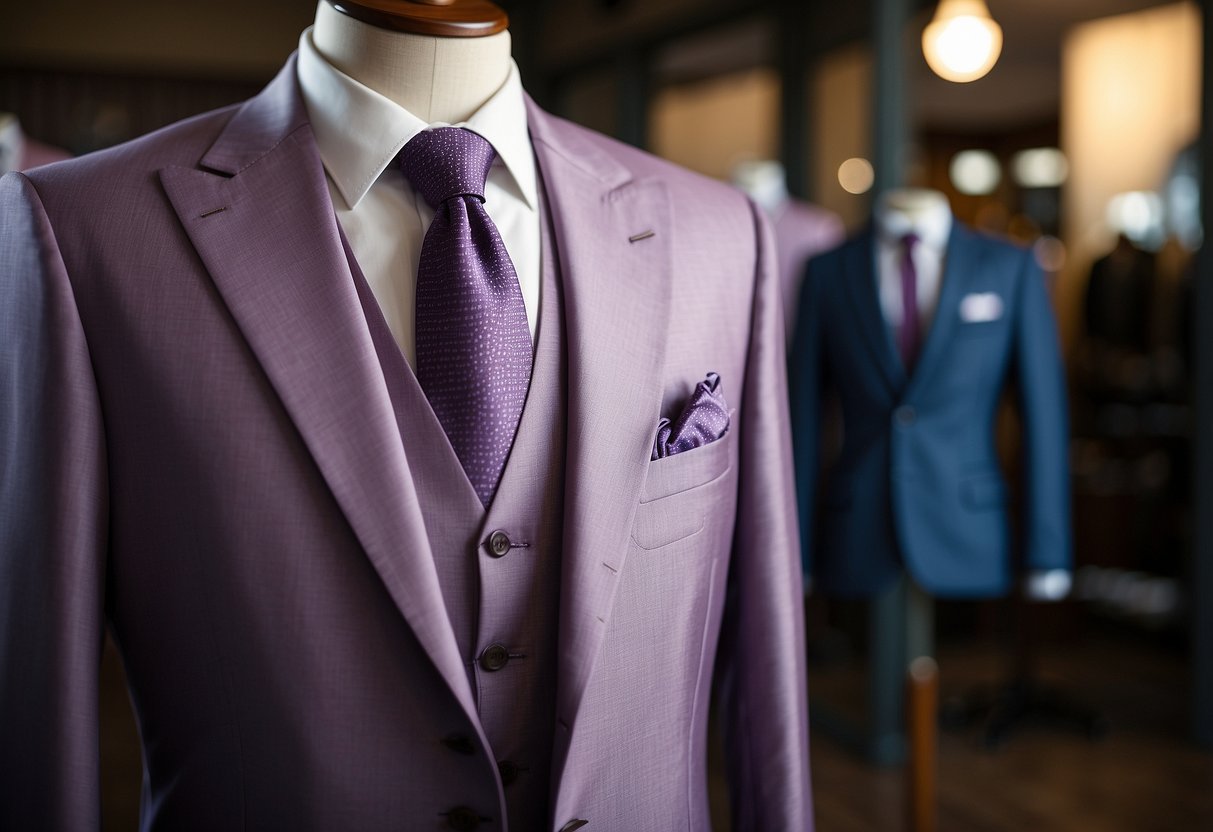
(856, 175)
(962, 42)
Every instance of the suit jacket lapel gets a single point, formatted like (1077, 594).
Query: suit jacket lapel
(861, 289)
(265, 229)
(960, 261)
(617, 298)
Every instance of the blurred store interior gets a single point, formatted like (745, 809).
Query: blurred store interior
(1084, 141)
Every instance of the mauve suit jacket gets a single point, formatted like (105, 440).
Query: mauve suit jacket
(198, 447)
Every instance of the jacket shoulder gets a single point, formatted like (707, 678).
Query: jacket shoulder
(828, 267)
(1002, 252)
(118, 167)
(684, 184)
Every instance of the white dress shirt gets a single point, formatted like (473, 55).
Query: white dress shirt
(933, 229)
(359, 132)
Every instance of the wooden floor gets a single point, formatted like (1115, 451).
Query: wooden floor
(1144, 777)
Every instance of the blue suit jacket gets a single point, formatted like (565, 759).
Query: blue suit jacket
(918, 483)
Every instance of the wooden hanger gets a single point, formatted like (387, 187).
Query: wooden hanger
(441, 18)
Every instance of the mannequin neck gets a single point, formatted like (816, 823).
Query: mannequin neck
(764, 181)
(12, 143)
(919, 211)
(917, 205)
(436, 79)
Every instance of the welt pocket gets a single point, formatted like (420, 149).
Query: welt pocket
(977, 329)
(689, 469)
(655, 528)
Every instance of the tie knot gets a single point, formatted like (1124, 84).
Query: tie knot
(909, 241)
(446, 163)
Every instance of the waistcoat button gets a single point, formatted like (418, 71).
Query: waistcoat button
(494, 657)
(499, 544)
(508, 770)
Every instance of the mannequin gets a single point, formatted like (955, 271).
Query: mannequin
(802, 229)
(436, 79)
(984, 320)
(915, 204)
(325, 624)
(11, 143)
(19, 152)
(347, 67)
(923, 210)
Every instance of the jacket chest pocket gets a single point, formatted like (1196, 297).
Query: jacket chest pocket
(679, 491)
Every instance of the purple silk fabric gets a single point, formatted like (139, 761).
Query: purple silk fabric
(473, 344)
(704, 419)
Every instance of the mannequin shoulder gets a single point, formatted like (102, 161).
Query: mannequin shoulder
(124, 169)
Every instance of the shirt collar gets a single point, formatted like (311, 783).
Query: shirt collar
(354, 159)
(932, 227)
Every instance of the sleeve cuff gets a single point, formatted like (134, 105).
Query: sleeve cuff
(1048, 584)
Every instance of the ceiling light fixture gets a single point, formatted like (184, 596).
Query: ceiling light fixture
(962, 42)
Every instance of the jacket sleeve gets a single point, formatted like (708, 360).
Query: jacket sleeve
(1041, 385)
(53, 529)
(765, 704)
(806, 381)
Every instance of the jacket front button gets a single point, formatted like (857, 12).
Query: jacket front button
(576, 823)
(508, 770)
(905, 415)
(462, 819)
(494, 657)
(499, 544)
(459, 743)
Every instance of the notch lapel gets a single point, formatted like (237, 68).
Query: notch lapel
(865, 303)
(617, 299)
(266, 232)
(960, 262)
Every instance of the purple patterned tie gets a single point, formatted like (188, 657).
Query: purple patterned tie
(908, 337)
(473, 343)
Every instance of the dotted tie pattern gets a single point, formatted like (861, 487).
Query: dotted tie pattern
(473, 344)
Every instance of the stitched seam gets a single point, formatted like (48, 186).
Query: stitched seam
(273, 147)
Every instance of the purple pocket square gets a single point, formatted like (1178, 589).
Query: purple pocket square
(705, 419)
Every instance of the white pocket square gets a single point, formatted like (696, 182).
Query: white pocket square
(980, 307)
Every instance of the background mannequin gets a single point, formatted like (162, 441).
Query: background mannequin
(998, 321)
(19, 152)
(802, 229)
(926, 212)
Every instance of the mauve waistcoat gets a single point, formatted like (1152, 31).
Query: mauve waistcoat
(497, 600)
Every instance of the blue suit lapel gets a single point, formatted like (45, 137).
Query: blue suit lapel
(960, 263)
(860, 288)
